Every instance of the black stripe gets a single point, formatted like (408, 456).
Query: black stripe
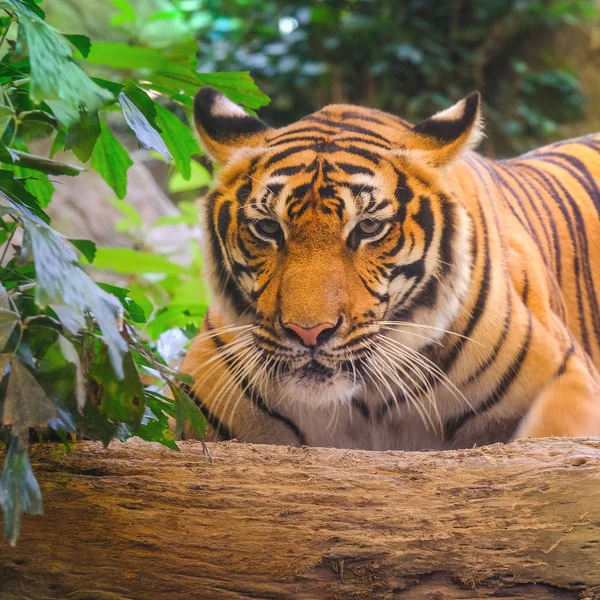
(563, 366)
(371, 156)
(316, 140)
(524, 220)
(260, 403)
(453, 425)
(590, 185)
(578, 236)
(533, 205)
(381, 297)
(489, 361)
(354, 169)
(284, 154)
(222, 431)
(361, 405)
(289, 132)
(257, 399)
(226, 282)
(591, 188)
(451, 357)
(348, 127)
(292, 170)
(551, 220)
(348, 114)
(425, 219)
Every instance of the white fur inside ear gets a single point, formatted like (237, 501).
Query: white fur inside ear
(476, 134)
(455, 113)
(224, 107)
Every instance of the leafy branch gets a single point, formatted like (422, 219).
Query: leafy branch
(77, 358)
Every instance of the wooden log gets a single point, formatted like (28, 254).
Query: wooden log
(138, 521)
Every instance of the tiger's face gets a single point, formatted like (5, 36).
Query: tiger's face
(333, 230)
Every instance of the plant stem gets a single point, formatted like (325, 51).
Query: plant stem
(12, 18)
(8, 241)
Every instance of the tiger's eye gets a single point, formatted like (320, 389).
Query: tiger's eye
(370, 227)
(268, 228)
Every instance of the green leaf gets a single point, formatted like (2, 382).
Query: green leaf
(18, 197)
(111, 160)
(58, 143)
(239, 87)
(81, 42)
(72, 319)
(155, 427)
(38, 163)
(146, 134)
(112, 86)
(143, 102)
(130, 261)
(134, 310)
(124, 56)
(86, 247)
(82, 135)
(26, 404)
(39, 185)
(191, 292)
(33, 7)
(35, 182)
(199, 178)
(181, 83)
(118, 399)
(70, 355)
(55, 77)
(187, 412)
(132, 220)
(8, 321)
(61, 281)
(176, 316)
(94, 424)
(7, 114)
(19, 491)
(126, 13)
(38, 116)
(179, 139)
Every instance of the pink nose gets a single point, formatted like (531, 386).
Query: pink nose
(310, 335)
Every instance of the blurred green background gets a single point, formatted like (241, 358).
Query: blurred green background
(533, 60)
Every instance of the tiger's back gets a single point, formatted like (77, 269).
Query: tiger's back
(378, 285)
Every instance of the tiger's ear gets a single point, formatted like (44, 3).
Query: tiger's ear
(224, 126)
(446, 134)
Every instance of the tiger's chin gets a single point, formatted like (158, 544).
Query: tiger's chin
(316, 384)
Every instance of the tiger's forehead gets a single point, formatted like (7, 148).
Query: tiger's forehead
(339, 161)
(342, 123)
(333, 184)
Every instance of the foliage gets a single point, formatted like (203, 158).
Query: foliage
(77, 357)
(411, 58)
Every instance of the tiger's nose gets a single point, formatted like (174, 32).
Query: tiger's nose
(312, 336)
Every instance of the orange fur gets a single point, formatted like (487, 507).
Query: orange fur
(486, 269)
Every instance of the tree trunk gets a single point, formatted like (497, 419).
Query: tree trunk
(138, 521)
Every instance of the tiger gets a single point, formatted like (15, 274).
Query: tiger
(380, 285)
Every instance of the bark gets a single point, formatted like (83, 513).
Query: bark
(138, 521)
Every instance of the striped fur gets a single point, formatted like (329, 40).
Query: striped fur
(467, 314)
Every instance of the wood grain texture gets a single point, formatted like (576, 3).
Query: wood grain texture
(140, 522)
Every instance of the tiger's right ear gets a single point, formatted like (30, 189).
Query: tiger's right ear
(224, 126)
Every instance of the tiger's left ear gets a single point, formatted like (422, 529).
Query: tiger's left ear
(442, 137)
(223, 126)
